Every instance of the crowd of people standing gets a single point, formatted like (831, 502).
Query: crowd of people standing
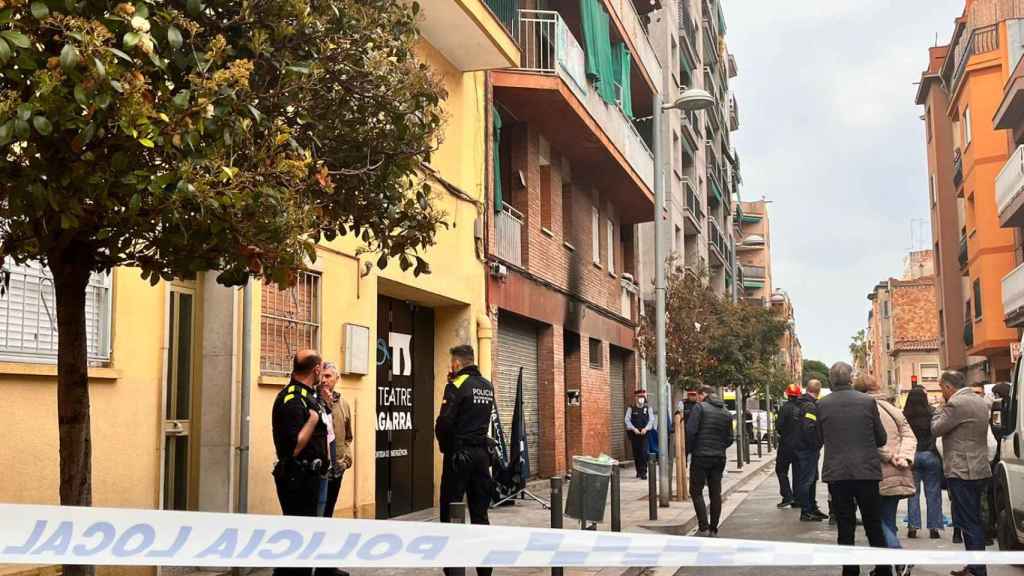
(875, 454)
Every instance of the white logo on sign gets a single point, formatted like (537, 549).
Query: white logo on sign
(401, 361)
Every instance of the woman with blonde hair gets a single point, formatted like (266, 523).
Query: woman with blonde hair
(897, 456)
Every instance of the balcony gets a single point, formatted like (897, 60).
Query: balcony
(734, 113)
(640, 46)
(1010, 191)
(628, 293)
(981, 40)
(963, 253)
(754, 272)
(1013, 298)
(716, 245)
(958, 168)
(471, 34)
(694, 209)
(508, 235)
(551, 91)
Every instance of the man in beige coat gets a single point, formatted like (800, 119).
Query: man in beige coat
(963, 425)
(341, 419)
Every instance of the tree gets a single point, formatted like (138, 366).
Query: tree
(744, 346)
(816, 370)
(690, 307)
(859, 350)
(178, 136)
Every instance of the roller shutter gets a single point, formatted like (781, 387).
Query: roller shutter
(617, 383)
(517, 347)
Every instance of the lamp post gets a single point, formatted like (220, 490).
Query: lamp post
(689, 100)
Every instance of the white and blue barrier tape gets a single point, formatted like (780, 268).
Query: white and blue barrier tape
(116, 536)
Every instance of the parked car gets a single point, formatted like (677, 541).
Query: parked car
(1008, 476)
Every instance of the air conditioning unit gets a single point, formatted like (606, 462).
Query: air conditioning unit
(499, 270)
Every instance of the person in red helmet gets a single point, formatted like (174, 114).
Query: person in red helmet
(787, 425)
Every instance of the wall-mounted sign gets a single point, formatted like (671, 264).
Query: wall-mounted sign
(356, 349)
(572, 397)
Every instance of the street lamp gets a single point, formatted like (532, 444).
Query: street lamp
(691, 99)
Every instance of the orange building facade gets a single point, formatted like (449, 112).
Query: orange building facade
(962, 91)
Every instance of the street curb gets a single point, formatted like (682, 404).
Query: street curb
(665, 527)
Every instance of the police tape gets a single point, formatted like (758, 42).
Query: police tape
(115, 536)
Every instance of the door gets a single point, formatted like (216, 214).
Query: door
(405, 408)
(617, 383)
(179, 388)
(517, 348)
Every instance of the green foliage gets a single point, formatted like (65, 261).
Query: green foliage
(859, 350)
(712, 340)
(816, 370)
(182, 136)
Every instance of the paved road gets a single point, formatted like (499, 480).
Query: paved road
(757, 518)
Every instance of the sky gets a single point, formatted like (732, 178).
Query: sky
(830, 134)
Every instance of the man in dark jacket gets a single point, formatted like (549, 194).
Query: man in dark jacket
(461, 431)
(851, 430)
(708, 434)
(787, 426)
(808, 450)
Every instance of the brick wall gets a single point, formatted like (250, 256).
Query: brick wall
(551, 400)
(557, 254)
(914, 310)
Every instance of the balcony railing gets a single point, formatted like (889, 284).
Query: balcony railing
(1013, 296)
(958, 166)
(629, 293)
(508, 232)
(754, 272)
(507, 12)
(693, 203)
(963, 252)
(981, 41)
(1009, 186)
(716, 241)
(548, 47)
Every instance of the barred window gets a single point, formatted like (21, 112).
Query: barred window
(28, 316)
(290, 321)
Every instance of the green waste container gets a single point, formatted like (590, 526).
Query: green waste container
(591, 476)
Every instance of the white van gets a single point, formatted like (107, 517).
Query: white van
(1008, 477)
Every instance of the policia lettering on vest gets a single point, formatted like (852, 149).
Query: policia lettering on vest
(300, 440)
(461, 431)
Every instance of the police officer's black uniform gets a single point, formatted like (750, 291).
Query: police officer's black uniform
(297, 478)
(461, 431)
(639, 418)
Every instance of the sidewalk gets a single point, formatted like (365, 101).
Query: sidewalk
(678, 518)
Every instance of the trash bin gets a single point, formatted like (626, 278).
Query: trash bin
(591, 476)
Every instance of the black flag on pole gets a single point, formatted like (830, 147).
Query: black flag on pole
(519, 460)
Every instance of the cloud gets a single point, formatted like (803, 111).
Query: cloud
(830, 133)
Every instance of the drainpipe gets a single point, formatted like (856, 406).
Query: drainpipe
(243, 436)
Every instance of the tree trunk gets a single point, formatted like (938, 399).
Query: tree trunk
(71, 269)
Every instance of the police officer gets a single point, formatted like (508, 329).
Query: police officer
(639, 421)
(300, 439)
(461, 431)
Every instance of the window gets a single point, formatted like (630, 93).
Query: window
(611, 247)
(967, 310)
(545, 196)
(28, 316)
(942, 324)
(929, 372)
(967, 127)
(596, 353)
(928, 122)
(595, 234)
(931, 188)
(885, 309)
(977, 299)
(888, 343)
(677, 241)
(567, 233)
(890, 377)
(289, 321)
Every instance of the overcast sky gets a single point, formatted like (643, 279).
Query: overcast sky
(829, 132)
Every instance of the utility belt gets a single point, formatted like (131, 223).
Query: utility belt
(314, 467)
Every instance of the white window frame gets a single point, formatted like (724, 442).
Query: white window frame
(34, 283)
(595, 236)
(968, 135)
(611, 246)
(927, 370)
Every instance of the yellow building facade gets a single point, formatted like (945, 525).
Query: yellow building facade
(166, 380)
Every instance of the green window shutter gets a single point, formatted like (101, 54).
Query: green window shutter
(598, 48)
(622, 69)
(499, 203)
(589, 10)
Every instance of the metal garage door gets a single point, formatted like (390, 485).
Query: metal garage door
(517, 347)
(617, 383)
